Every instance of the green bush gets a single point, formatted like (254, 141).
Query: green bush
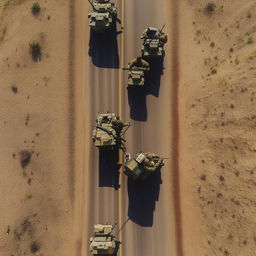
(36, 8)
(35, 50)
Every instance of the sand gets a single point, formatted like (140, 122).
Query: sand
(36, 162)
(201, 117)
(217, 128)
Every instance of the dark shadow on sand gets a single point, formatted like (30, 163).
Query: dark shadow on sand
(109, 168)
(137, 103)
(118, 243)
(142, 199)
(153, 77)
(103, 48)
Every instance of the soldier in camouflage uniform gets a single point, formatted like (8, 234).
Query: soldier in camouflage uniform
(138, 63)
(118, 125)
(152, 162)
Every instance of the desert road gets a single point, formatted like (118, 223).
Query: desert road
(144, 211)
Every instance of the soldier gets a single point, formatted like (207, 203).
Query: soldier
(152, 162)
(163, 37)
(157, 160)
(148, 165)
(151, 33)
(139, 63)
(118, 125)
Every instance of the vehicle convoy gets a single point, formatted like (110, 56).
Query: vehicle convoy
(142, 165)
(153, 42)
(103, 241)
(108, 132)
(136, 71)
(103, 16)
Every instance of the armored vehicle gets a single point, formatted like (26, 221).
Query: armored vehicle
(136, 71)
(103, 16)
(142, 165)
(108, 131)
(103, 241)
(153, 43)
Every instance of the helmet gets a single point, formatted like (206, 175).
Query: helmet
(150, 156)
(151, 31)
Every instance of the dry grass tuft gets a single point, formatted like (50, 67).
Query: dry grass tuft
(2, 33)
(35, 9)
(7, 3)
(35, 50)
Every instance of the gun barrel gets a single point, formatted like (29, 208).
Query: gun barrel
(91, 4)
(162, 28)
(114, 225)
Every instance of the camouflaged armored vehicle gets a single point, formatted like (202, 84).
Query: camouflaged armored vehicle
(103, 16)
(136, 71)
(142, 165)
(153, 43)
(103, 240)
(108, 131)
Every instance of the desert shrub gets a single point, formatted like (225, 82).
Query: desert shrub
(212, 44)
(35, 50)
(209, 8)
(2, 33)
(36, 8)
(34, 247)
(25, 157)
(250, 40)
(213, 71)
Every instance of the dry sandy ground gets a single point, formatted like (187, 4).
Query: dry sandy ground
(36, 178)
(211, 56)
(217, 111)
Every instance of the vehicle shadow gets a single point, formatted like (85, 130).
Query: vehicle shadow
(153, 77)
(142, 199)
(103, 48)
(109, 168)
(117, 243)
(137, 103)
